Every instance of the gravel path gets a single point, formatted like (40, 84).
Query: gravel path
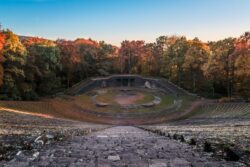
(118, 146)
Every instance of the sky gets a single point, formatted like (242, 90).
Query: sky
(116, 20)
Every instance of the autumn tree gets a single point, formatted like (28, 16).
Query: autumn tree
(88, 55)
(104, 58)
(2, 59)
(218, 68)
(148, 62)
(14, 53)
(194, 59)
(164, 44)
(85, 58)
(157, 55)
(70, 60)
(174, 58)
(131, 53)
(32, 66)
(242, 65)
(43, 69)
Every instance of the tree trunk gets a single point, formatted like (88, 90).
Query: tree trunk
(232, 81)
(194, 82)
(129, 63)
(228, 76)
(179, 76)
(213, 89)
(68, 83)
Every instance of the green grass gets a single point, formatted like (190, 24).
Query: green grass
(148, 97)
(195, 112)
(166, 101)
(110, 96)
(107, 97)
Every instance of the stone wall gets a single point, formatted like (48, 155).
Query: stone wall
(123, 81)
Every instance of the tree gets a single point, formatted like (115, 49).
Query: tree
(37, 66)
(2, 59)
(70, 60)
(148, 63)
(88, 55)
(131, 53)
(28, 41)
(14, 53)
(164, 44)
(242, 64)
(219, 68)
(43, 69)
(195, 57)
(104, 58)
(174, 58)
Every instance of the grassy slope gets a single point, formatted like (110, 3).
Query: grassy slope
(54, 106)
(72, 107)
(221, 110)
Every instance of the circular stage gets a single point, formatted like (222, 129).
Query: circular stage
(125, 98)
(116, 100)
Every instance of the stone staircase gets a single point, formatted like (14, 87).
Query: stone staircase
(121, 146)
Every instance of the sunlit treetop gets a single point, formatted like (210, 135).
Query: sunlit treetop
(28, 41)
(2, 40)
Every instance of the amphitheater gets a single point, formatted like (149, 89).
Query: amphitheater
(124, 121)
(129, 99)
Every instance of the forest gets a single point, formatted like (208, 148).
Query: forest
(32, 67)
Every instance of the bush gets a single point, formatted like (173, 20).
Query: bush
(210, 95)
(4, 97)
(30, 96)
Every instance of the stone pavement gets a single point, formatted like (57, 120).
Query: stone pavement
(118, 146)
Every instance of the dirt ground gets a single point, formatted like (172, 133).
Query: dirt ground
(125, 99)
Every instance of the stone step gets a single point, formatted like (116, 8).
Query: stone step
(121, 146)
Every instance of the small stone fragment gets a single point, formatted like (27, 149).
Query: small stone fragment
(35, 155)
(18, 153)
(114, 157)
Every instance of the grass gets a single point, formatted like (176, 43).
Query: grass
(166, 101)
(86, 102)
(110, 96)
(148, 97)
(222, 110)
(72, 107)
(54, 106)
(36, 107)
(107, 97)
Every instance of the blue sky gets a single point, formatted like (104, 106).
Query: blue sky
(116, 20)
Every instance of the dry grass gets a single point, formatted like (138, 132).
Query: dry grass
(81, 108)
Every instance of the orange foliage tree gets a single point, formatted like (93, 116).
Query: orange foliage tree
(2, 42)
(132, 56)
(242, 64)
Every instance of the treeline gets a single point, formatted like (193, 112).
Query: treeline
(213, 69)
(34, 67)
